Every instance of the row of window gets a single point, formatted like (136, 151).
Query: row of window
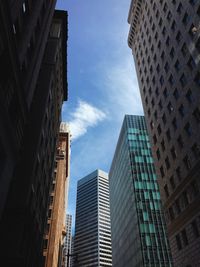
(182, 239)
(182, 202)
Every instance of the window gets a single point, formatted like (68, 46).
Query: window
(165, 93)
(181, 111)
(163, 145)
(178, 173)
(184, 237)
(166, 67)
(161, 80)
(185, 199)
(169, 16)
(167, 163)
(176, 94)
(171, 80)
(183, 80)
(172, 52)
(158, 154)
(164, 118)
(158, 68)
(177, 66)
(163, 55)
(187, 163)
(168, 135)
(180, 8)
(178, 37)
(159, 129)
(174, 123)
(173, 26)
(192, 31)
(197, 79)
(188, 129)
(195, 229)
(180, 141)
(173, 152)
(172, 183)
(184, 49)
(196, 114)
(177, 206)
(189, 96)
(170, 107)
(191, 63)
(178, 242)
(166, 191)
(186, 18)
(154, 139)
(171, 213)
(162, 171)
(194, 188)
(196, 151)
(160, 105)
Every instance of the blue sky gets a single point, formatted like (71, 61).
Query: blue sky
(102, 84)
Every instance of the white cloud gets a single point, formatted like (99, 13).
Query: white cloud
(122, 92)
(84, 116)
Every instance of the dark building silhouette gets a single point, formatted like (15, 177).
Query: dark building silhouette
(165, 40)
(32, 88)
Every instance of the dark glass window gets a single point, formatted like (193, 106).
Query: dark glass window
(189, 96)
(195, 229)
(186, 19)
(196, 114)
(178, 242)
(184, 237)
(182, 111)
(180, 141)
(174, 123)
(176, 94)
(188, 129)
(162, 171)
(173, 152)
(177, 65)
(183, 80)
(166, 191)
(172, 183)
(163, 145)
(167, 163)
(196, 150)
(166, 67)
(191, 63)
(187, 163)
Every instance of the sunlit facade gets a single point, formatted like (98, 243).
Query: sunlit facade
(92, 230)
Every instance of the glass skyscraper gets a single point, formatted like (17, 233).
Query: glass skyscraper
(92, 243)
(138, 228)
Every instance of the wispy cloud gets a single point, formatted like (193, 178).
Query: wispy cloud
(85, 116)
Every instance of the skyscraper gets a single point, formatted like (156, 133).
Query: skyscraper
(165, 41)
(138, 228)
(68, 240)
(34, 82)
(92, 229)
(55, 226)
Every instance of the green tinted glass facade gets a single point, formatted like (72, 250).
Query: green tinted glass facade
(137, 223)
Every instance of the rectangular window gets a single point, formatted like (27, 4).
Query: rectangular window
(178, 242)
(184, 237)
(195, 229)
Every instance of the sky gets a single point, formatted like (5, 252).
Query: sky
(102, 84)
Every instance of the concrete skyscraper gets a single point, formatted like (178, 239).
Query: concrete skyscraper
(68, 240)
(92, 243)
(138, 228)
(165, 41)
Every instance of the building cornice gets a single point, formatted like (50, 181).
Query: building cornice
(135, 12)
